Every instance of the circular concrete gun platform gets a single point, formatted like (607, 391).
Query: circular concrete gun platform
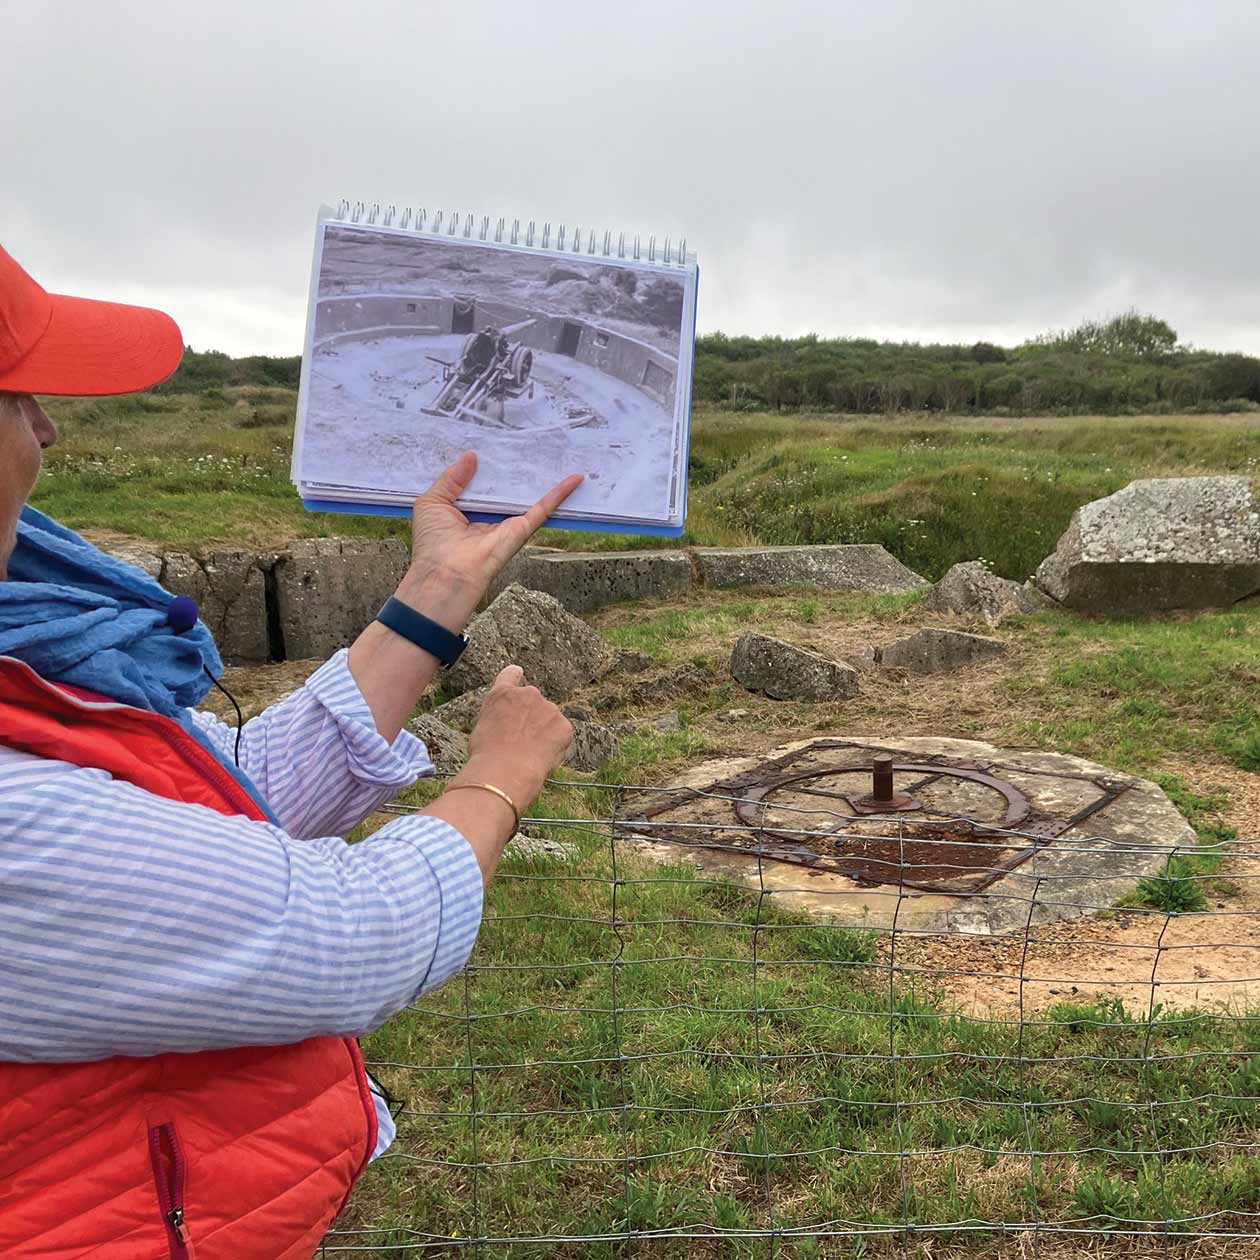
(922, 834)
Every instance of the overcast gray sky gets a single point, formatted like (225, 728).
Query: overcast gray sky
(898, 168)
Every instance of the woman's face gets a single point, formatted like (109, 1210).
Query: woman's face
(25, 430)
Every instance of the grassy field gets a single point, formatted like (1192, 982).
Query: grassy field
(637, 1048)
(612, 1005)
(934, 491)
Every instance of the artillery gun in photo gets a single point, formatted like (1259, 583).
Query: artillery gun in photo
(490, 370)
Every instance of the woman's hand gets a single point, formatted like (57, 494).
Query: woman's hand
(452, 564)
(453, 560)
(519, 739)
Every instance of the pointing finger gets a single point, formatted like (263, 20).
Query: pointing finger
(510, 676)
(537, 515)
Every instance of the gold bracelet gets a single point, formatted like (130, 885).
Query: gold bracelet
(498, 791)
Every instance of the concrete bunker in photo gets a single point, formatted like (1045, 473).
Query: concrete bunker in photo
(926, 835)
(375, 316)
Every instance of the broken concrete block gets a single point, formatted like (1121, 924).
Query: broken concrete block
(973, 590)
(786, 672)
(593, 744)
(558, 652)
(857, 567)
(938, 651)
(1175, 542)
(447, 747)
(463, 711)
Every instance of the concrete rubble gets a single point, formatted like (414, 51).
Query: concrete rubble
(1177, 542)
(684, 678)
(462, 712)
(448, 747)
(527, 846)
(558, 653)
(593, 744)
(938, 651)
(783, 671)
(972, 589)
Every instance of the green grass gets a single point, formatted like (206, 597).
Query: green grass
(186, 470)
(1133, 691)
(933, 491)
(714, 1103)
(1184, 884)
(672, 634)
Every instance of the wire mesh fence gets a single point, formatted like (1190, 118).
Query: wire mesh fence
(679, 1049)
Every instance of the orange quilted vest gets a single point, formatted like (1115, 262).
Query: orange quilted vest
(223, 1155)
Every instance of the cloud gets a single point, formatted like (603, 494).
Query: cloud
(917, 170)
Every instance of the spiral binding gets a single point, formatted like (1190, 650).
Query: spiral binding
(452, 225)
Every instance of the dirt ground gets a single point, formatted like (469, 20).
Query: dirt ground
(1205, 961)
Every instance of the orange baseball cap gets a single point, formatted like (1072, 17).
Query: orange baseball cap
(53, 344)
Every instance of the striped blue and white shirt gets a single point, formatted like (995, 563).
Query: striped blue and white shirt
(130, 924)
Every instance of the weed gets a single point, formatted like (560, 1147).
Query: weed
(1176, 889)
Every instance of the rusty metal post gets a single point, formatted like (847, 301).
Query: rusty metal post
(882, 780)
(883, 798)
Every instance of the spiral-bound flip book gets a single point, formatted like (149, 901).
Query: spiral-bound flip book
(546, 351)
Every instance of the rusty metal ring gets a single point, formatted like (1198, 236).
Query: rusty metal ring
(1018, 806)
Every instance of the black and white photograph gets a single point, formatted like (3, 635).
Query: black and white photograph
(543, 362)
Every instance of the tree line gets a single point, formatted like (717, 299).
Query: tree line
(1130, 363)
(203, 370)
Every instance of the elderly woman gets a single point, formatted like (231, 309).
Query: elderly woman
(189, 949)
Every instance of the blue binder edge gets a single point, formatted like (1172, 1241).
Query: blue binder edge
(491, 518)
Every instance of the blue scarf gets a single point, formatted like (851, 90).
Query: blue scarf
(76, 615)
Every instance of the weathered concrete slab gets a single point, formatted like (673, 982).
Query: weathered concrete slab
(327, 589)
(558, 652)
(1177, 542)
(593, 743)
(1087, 868)
(784, 671)
(585, 580)
(229, 589)
(462, 712)
(857, 567)
(971, 589)
(939, 651)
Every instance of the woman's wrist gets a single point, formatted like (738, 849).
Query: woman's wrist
(443, 595)
(520, 782)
